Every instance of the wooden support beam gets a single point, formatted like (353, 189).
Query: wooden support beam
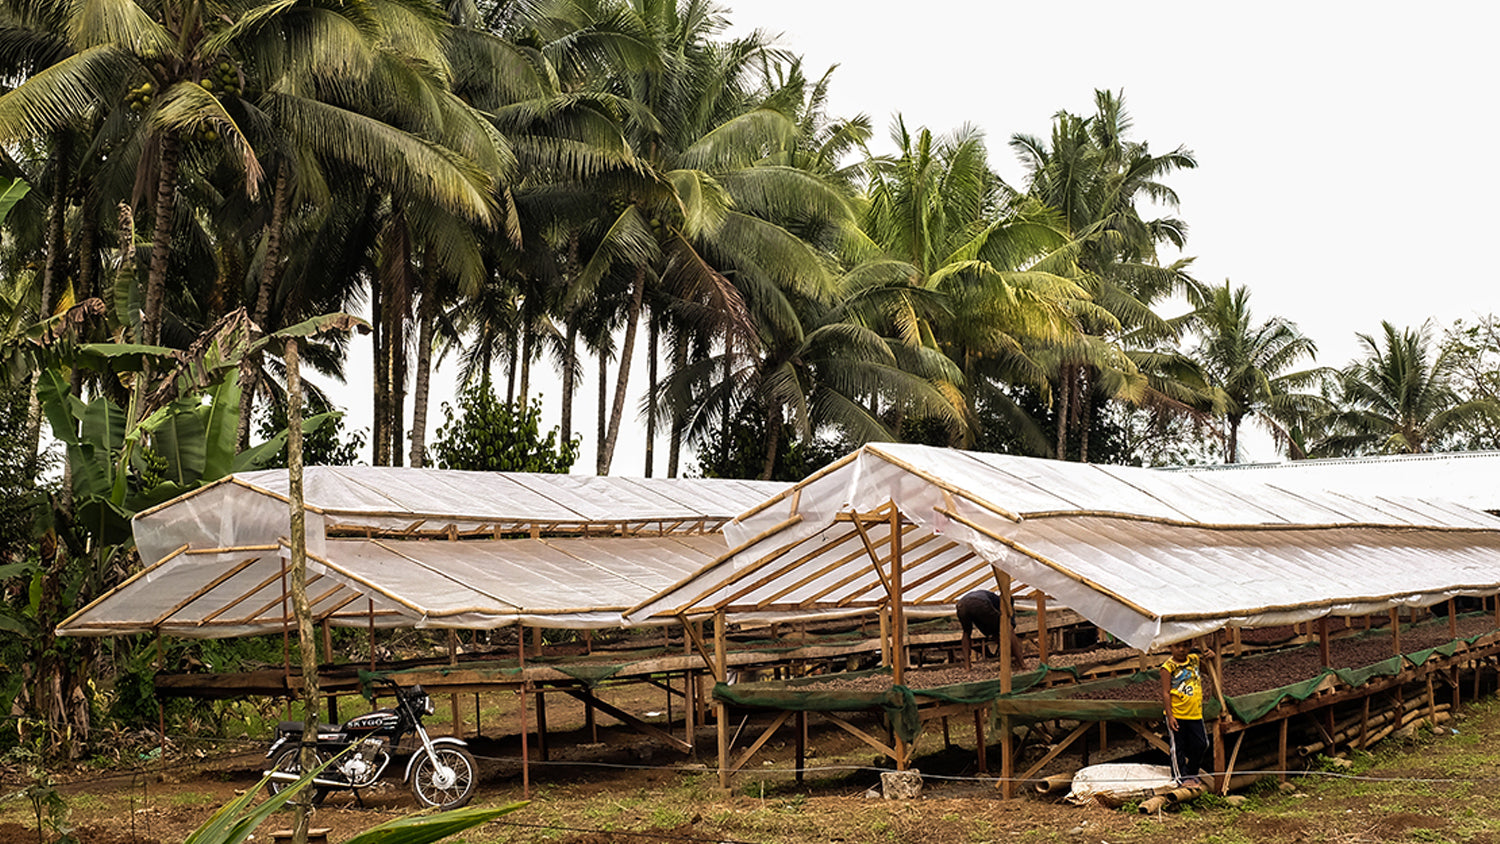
(863, 736)
(1151, 738)
(721, 709)
(628, 719)
(781, 718)
(1057, 750)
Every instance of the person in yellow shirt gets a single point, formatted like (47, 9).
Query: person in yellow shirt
(1182, 681)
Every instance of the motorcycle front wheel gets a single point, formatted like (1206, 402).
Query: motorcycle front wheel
(289, 761)
(445, 779)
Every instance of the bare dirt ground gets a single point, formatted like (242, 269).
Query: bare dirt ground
(1434, 788)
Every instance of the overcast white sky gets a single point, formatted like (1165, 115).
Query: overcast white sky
(1344, 149)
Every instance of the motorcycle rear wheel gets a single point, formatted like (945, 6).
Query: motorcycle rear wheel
(289, 761)
(450, 790)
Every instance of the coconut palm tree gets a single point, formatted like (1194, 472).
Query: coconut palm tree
(1095, 179)
(960, 270)
(1396, 398)
(1248, 363)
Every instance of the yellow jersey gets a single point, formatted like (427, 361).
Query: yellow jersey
(1186, 688)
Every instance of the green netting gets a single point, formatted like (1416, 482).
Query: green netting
(1421, 656)
(1250, 707)
(1360, 676)
(897, 702)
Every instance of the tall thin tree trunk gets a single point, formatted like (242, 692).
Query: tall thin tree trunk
(57, 251)
(510, 375)
(1064, 390)
(603, 421)
(627, 352)
(1232, 448)
(380, 442)
(724, 423)
(1085, 411)
(653, 338)
(773, 440)
(398, 378)
(297, 583)
(674, 448)
(526, 339)
(269, 273)
(161, 240)
(569, 376)
(426, 315)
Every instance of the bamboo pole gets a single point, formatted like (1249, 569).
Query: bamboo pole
(1396, 631)
(525, 747)
(898, 623)
(1041, 628)
(721, 709)
(1007, 739)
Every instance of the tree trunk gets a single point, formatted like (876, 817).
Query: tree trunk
(1064, 389)
(1232, 447)
(653, 338)
(379, 441)
(603, 422)
(773, 440)
(396, 330)
(1085, 411)
(161, 240)
(674, 448)
(724, 426)
(426, 315)
(627, 351)
(297, 583)
(526, 340)
(57, 251)
(269, 272)
(569, 376)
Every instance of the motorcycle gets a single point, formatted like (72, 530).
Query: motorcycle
(441, 771)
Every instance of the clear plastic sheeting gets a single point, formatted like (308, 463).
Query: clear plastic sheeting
(251, 509)
(418, 548)
(477, 584)
(1463, 478)
(1151, 557)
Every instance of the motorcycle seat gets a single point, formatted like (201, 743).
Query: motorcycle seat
(296, 727)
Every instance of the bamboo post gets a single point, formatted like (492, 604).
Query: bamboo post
(1431, 702)
(1364, 724)
(885, 635)
(1007, 739)
(898, 624)
(542, 748)
(979, 741)
(1324, 650)
(1041, 628)
(721, 709)
(1281, 752)
(525, 746)
(801, 744)
(331, 699)
(458, 730)
(1452, 618)
(689, 685)
(1396, 631)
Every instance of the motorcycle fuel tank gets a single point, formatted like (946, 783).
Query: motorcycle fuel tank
(383, 719)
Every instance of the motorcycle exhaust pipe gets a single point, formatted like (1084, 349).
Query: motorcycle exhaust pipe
(284, 776)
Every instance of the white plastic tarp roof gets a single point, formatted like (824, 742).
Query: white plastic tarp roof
(250, 508)
(1151, 557)
(1471, 479)
(472, 584)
